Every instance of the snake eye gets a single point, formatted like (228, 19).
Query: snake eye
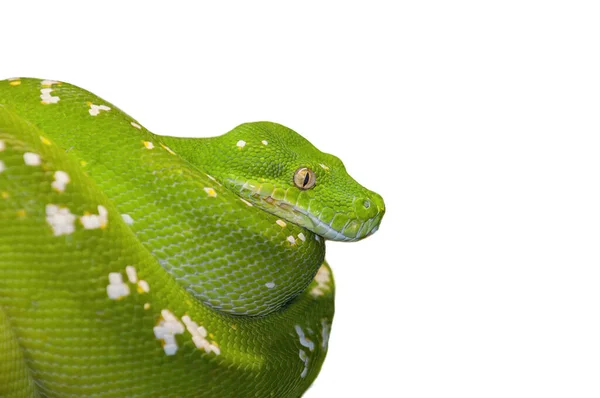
(304, 178)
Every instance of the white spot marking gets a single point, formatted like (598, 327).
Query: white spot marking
(323, 278)
(241, 143)
(323, 166)
(199, 336)
(137, 126)
(326, 328)
(2, 145)
(49, 83)
(60, 219)
(170, 346)
(92, 221)
(148, 145)
(116, 289)
(147, 306)
(201, 343)
(115, 278)
(2, 166)
(131, 274)
(47, 98)
(166, 330)
(281, 223)
(303, 340)
(291, 239)
(211, 192)
(95, 109)
(143, 286)
(61, 179)
(304, 358)
(127, 218)
(270, 285)
(264, 142)
(305, 343)
(302, 237)
(32, 159)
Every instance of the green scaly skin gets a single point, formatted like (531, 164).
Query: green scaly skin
(232, 296)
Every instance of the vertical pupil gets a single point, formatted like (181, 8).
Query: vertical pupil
(306, 177)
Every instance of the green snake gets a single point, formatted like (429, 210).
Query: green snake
(133, 264)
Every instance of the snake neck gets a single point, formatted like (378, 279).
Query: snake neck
(272, 260)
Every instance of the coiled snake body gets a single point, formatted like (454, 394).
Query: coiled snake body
(133, 264)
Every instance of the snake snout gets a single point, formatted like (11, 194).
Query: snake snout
(369, 210)
(369, 207)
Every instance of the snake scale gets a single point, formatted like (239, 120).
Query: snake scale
(133, 264)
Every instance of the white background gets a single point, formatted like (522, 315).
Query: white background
(477, 121)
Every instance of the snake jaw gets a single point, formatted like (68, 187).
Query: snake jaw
(305, 219)
(316, 226)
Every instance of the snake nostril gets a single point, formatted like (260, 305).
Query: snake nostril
(366, 204)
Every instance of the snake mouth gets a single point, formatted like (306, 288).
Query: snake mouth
(352, 230)
(306, 220)
(355, 224)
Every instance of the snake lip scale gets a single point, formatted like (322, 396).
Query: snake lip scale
(133, 264)
(326, 231)
(303, 217)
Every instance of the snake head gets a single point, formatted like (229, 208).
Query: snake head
(279, 171)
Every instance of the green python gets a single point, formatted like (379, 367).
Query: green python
(133, 264)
